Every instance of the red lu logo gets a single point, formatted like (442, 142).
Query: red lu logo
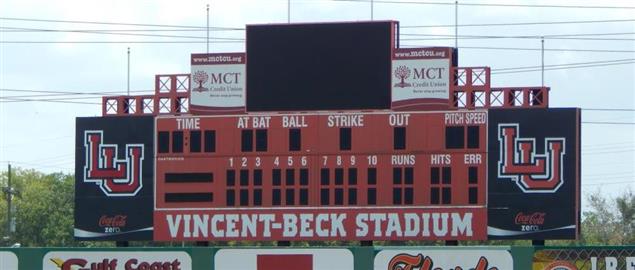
(532, 172)
(115, 177)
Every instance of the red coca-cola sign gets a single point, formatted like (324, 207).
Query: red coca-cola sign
(536, 218)
(113, 221)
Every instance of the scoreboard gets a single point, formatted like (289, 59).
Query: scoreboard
(329, 131)
(403, 179)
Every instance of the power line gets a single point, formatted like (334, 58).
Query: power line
(111, 42)
(608, 109)
(515, 24)
(565, 67)
(618, 144)
(122, 92)
(50, 95)
(512, 37)
(200, 28)
(523, 36)
(489, 5)
(117, 23)
(626, 173)
(553, 50)
(65, 100)
(610, 152)
(35, 98)
(106, 93)
(55, 159)
(11, 99)
(118, 33)
(607, 123)
(547, 6)
(39, 165)
(122, 30)
(54, 101)
(195, 42)
(29, 141)
(610, 183)
(567, 64)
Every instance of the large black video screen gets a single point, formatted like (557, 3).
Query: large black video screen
(323, 66)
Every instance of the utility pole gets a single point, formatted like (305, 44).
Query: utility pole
(9, 195)
(9, 191)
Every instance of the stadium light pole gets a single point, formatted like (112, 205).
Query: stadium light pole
(207, 31)
(372, 3)
(128, 79)
(456, 24)
(542, 61)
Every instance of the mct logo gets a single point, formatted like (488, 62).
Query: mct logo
(115, 177)
(532, 172)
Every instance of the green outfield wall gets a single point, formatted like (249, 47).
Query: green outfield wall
(322, 258)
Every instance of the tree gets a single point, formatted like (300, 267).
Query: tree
(625, 204)
(609, 222)
(44, 212)
(200, 77)
(402, 72)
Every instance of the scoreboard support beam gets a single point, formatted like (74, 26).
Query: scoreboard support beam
(283, 243)
(122, 244)
(366, 243)
(538, 243)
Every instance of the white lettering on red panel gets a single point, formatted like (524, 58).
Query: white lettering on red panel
(345, 120)
(376, 224)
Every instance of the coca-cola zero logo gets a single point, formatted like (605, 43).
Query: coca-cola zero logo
(536, 218)
(113, 221)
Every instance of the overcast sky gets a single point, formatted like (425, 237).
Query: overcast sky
(40, 134)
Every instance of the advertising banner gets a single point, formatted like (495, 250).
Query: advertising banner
(276, 259)
(218, 83)
(321, 224)
(8, 261)
(534, 174)
(597, 258)
(114, 176)
(421, 78)
(456, 259)
(117, 260)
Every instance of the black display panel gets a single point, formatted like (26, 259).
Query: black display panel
(323, 66)
(114, 178)
(534, 174)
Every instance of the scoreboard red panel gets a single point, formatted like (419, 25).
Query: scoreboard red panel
(380, 162)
